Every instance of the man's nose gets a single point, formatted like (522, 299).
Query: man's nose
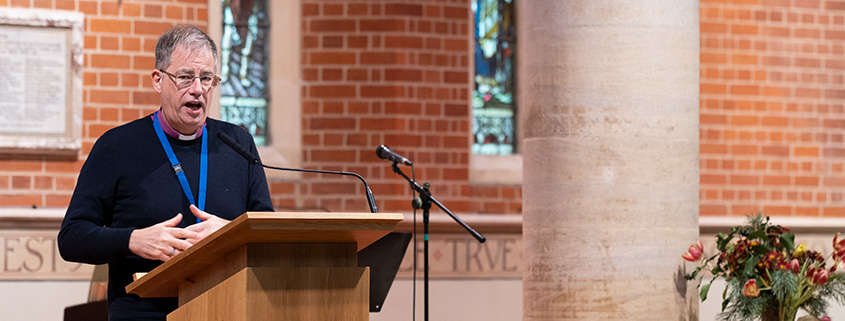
(196, 87)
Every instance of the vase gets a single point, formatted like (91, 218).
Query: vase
(770, 313)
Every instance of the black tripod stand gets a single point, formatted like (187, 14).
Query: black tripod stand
(424, 203)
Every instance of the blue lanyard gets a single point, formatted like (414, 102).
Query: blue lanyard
(177, 168)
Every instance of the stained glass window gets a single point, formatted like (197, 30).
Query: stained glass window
(244, 47)
(493, 106)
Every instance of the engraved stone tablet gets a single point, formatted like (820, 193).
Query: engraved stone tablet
(33, 83)
(40, 82)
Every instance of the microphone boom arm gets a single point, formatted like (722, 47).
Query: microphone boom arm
(371, 201)
(424, 193)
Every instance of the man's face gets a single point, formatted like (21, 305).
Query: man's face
(185, 109)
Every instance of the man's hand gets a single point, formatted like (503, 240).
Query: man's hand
(209, 224)
(161, 241)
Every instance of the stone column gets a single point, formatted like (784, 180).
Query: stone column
(608, 98)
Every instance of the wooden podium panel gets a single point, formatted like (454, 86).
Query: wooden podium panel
(283, 294)
(273, 266)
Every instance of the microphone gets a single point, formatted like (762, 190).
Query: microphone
(371, 201)
(384, 152)
(229, 141)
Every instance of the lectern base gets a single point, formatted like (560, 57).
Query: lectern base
(290, 293)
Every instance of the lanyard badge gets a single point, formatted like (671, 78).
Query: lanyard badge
(177, 167)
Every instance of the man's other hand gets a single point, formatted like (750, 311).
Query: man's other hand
(209, 224)
(161, 241)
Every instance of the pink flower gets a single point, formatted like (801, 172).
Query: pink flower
(694, 252)
(794, 266)
(825, 318)
(750, 289)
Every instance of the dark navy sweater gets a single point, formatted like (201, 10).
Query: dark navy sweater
(127, 183)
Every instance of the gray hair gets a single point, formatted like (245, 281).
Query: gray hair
(187, 36)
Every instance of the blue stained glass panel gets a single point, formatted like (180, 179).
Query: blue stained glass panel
(494, 108)
(244, 47)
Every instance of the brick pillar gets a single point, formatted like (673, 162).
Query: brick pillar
(608, 93)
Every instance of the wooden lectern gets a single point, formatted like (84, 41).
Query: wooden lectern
(272, 266)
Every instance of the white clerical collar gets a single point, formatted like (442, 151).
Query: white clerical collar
(188, 137)
(174, 133)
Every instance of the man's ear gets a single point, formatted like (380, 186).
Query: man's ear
(156, 77)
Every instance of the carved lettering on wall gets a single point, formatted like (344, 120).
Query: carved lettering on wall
(460, 256)
(34, 255)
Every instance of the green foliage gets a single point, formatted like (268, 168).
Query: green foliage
(722, 240)
(784, 283)
(742, 308)
(834, 288)
(815, 306)
(750, 266)
(788, 241)
(705, 289)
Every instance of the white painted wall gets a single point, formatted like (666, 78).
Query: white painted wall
(39, 300)
(456, 300)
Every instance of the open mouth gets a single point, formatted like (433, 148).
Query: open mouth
(193, 104)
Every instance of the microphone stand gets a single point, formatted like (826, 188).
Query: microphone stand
(425, 201)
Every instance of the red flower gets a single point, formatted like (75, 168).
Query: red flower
(750, 289)
(820, 276)
(838, 248)
(694, 252)
(772, 256)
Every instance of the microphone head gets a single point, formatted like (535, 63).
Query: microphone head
(383, 152)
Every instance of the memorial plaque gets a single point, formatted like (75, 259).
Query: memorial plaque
(40, 81)
(34, 81)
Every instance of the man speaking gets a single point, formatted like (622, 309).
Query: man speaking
(153, 187)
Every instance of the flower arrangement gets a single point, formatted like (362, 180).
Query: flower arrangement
(768, 277)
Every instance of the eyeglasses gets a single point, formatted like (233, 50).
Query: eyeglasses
(183, 81)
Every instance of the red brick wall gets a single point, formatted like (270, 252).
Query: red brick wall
(396, 73)
(772, 117)
(374, 72)
(119, 50)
